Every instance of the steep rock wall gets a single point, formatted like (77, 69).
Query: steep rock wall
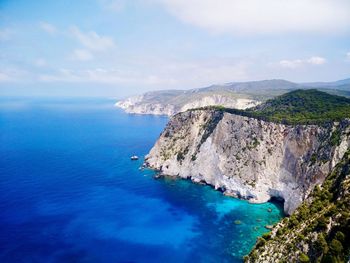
(249, 158)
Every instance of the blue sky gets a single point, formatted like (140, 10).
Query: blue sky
(124, 47)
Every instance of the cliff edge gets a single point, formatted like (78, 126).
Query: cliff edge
(249, 158)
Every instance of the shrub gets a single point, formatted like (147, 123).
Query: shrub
(280, 232)
(254, 255)
(313, 159)
(293, 221)
(260, 242)
(266, 236)
(255, 143)
(336, 247)
(322, 223)
(180, 156)
(300, 236)
(321, 244)
(335, 138)
(340, 236)
(303, 258)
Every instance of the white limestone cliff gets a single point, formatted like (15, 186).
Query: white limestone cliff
(248, 158)
(140, 105)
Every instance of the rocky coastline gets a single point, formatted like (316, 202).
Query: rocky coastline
(249, 158)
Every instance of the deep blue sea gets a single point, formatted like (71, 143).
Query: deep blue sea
(69, 192)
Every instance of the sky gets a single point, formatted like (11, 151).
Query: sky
(117, 48)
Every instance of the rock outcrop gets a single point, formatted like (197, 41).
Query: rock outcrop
(140, 104)
(249, 158)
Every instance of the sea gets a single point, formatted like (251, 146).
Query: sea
(70, 193)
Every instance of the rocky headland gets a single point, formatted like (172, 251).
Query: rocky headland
(140, 104)
(249, 158)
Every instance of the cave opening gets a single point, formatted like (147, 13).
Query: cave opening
(279, 202)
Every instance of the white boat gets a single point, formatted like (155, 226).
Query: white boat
(134, 158)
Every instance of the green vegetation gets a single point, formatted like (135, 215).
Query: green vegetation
(261, 242)
(304, 258)
(313, 159)
(180, 156)
(254, 144)
(335, 138)
(304, 106)
(299, 107)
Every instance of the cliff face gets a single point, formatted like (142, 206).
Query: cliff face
(139, 106)
(249, 158)
(143, 105)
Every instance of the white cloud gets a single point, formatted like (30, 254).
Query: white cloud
(316, 60)
(48, 28)
(263, 17)
(82, 55)
(91, 40)
(295, 63)
(291, 63)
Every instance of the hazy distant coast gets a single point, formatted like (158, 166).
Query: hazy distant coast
(239, 95)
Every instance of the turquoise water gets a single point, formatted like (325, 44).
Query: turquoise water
(69, 192)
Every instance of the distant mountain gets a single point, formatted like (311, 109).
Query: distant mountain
(255, 88)
(340, 84)
(239, 95)
(343, 81)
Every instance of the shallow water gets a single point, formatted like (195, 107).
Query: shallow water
(69, 192)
